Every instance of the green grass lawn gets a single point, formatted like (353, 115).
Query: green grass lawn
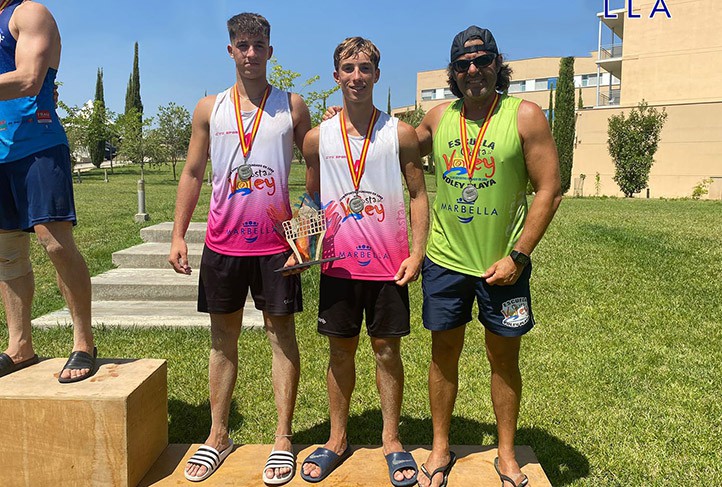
(621, 373)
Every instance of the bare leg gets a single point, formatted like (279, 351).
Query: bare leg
(446, 347)
(74, 282)
(340, 380)
(390, 384)
(503, 354)
(17, 297)
(286, 369)
(222, 374)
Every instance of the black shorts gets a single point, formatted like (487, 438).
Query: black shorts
(342, 303)
(37, 189)
(225, 279)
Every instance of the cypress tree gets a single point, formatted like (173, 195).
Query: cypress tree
(96, 127)
(388, 102)
(580, 105)
(132, 94)
(564, 120)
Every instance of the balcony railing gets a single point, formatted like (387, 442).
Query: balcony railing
(609, 52)
(610, 98)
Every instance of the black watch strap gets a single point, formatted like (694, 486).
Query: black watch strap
(520, 258)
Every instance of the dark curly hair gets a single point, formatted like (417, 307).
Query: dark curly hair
(253, 25)
(503, 78)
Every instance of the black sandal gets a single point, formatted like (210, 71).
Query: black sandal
(504, 478)
(446, 470)
(7, 366)
(79, 361)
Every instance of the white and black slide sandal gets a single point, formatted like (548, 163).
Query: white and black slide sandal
(208, 457)
(280, 459)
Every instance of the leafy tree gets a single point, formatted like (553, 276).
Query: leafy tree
(97, 125)
(564, 120)
(75, 123)
(632, 144)
(285, 79)
(412, 117)
(138, 142)
(174, 129)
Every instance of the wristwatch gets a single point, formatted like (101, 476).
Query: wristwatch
(520, 258)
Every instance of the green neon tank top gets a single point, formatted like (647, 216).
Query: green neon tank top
(470, 237)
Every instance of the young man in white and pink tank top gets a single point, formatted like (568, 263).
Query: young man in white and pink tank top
(355, 163)
(248, 131)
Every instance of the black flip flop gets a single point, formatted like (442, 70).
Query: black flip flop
(504, 478)
(79, 361)
(7, 366)
(445, 470)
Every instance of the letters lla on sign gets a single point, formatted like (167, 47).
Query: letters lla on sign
(659, 6)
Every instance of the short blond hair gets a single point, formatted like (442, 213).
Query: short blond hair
(353, 46)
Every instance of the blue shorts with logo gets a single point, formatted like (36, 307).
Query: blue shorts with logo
(37, 189)
(449, 297)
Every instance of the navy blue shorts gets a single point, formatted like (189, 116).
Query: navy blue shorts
(225, 280)
(449, 297)
(37, 189)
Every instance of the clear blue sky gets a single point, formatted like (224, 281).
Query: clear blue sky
(183, 44)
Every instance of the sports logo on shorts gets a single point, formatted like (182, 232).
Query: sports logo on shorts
(516, 312)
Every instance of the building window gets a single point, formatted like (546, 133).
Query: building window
(589, 80)
(540, 84)
(517, 86)
(448, 93)
(427, 94)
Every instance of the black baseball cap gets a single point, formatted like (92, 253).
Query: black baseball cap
(473, 32)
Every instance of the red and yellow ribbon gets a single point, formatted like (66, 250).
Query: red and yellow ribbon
(357, 168)
(5, 3)
(246, 145)
(470, 162)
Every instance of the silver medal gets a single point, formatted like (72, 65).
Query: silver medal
(356, 204)
(245, 172)
(469, 193)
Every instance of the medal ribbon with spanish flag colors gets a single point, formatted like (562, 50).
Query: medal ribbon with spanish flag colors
(247, 144)
(5, 3)
(470, 162)
(357, 168)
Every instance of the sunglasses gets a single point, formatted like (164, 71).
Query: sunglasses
(463, 65)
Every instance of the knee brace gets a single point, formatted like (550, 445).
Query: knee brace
(14, 255)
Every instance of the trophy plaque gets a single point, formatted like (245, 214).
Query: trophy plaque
(304, 233)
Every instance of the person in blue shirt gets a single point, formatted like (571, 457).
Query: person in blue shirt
(36, 188)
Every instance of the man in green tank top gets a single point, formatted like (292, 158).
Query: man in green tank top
(486, 146)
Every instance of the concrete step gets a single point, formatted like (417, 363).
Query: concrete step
(154, 255)
(161, 232)
(144, 284)
(148, 314)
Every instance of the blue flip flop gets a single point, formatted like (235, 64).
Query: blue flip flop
(326, 460)
(401, 460)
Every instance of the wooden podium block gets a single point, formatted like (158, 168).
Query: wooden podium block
(107, 430)
(366, 467)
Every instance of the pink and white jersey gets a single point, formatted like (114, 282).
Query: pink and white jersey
(373, 242)
(244, 213)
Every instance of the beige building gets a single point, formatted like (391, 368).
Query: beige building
(673, 64)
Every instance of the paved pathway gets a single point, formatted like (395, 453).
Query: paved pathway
(145, 291)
